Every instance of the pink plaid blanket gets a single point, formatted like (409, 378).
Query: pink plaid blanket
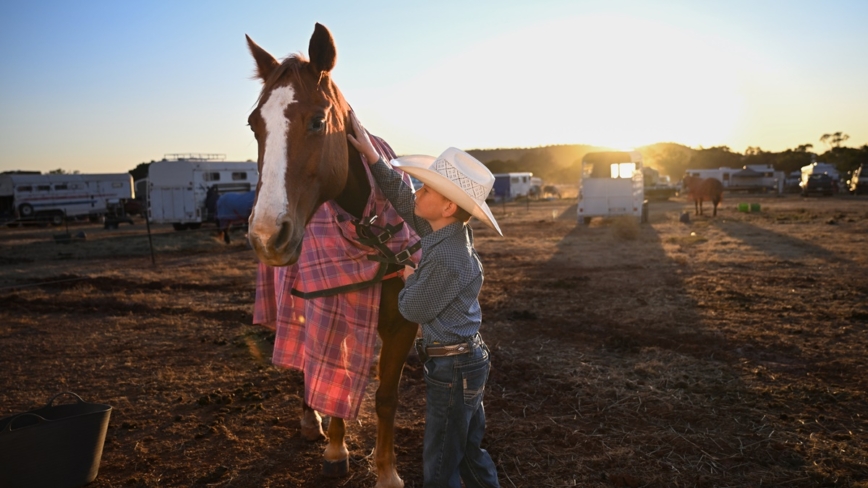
(331, 339)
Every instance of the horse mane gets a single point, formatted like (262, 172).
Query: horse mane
(291, 65)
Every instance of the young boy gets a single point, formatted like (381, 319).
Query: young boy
(442, 295)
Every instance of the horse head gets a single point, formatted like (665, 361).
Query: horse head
(300, 124)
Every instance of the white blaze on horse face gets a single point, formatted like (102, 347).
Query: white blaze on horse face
(273, 200)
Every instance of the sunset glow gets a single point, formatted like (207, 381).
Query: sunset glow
(103, 89)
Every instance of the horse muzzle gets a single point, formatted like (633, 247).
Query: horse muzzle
(278, 245)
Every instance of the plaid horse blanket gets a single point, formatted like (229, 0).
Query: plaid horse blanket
(331, 339)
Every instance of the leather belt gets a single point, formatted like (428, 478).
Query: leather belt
(443, 351)
(450, 350)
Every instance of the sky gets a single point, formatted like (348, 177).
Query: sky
(101, 86)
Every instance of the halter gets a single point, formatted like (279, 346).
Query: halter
(373, 236)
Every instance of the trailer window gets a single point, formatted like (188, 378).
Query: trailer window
(211, 176)
(25, 188)
(117, 184)
(623, 170)
(61, 187)
(239, 176)
(43, 188)
(514, 179)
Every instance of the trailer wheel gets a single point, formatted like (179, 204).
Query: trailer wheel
(179, 226)
(56, 219)
(25, 210)
(586, 220)
(194, 226)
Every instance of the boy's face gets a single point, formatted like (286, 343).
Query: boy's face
(430, 204)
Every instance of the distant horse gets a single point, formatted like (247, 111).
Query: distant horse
(233, 210)
(699, 190)
(312, 180)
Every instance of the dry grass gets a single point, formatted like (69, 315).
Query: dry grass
(724, 352)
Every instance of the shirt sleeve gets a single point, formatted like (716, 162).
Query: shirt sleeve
(400, 195)
(428, 291)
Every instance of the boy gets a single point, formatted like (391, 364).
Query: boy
(442, 295)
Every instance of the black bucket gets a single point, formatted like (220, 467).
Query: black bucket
(56, 446)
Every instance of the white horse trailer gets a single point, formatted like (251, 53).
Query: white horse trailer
(177, 188)
(53, 197)
(612, 184)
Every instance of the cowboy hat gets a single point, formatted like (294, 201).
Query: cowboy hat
(456, 175)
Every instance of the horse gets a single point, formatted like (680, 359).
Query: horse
(701, 189)
(232, 210)
(307, 168)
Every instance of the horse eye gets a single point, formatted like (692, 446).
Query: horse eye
(317, 124)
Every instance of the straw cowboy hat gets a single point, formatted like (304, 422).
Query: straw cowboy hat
(457, 176)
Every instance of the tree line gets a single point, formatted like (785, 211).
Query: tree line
(562, 163)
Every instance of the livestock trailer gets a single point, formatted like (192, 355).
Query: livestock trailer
(752, 178)
(612, 184)
(509, 186)
(178, 187)
(53, 197)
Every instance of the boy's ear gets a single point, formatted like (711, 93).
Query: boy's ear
(450, 209)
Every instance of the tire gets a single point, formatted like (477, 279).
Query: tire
(194, 226)
(56, 219)
(178, 226)
(586, 220)
(25, 210)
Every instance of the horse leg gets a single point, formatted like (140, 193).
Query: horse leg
(696, 205)
(311, 423)
(397, 335)
(336, 458)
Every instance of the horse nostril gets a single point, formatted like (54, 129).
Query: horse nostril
(283, 236)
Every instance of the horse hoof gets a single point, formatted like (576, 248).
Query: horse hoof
(336, 469)
(313, 433)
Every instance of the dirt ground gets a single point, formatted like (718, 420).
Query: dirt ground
(727, 351)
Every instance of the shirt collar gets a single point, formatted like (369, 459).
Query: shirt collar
(436, 237)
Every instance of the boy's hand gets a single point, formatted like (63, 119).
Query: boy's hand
(358, 137)
(408, 270)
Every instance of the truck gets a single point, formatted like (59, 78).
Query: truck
(657, 187)
(612, 184)
(509, 186)
(820, 169)
(178, 187)
(35, 197)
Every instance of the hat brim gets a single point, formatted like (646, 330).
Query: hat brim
(418, 167)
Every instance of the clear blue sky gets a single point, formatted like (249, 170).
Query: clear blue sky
(100, 86)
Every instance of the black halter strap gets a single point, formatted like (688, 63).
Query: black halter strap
(375, 237)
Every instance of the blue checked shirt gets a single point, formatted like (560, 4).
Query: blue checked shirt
(442, 294)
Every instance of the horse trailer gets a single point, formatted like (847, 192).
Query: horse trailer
(54, 197)
(509, 186)
(178, 187)
(612, 184)
(752, 178)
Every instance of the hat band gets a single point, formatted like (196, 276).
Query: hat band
(470, 187)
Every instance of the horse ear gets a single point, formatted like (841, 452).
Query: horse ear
(265, 62)
(321, 49)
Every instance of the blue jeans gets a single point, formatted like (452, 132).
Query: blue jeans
(455, 421)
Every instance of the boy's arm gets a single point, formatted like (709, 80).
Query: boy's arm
(392, 184)
(401, 196)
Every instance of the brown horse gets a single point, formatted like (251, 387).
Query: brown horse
(300, 123)
(701, 189)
